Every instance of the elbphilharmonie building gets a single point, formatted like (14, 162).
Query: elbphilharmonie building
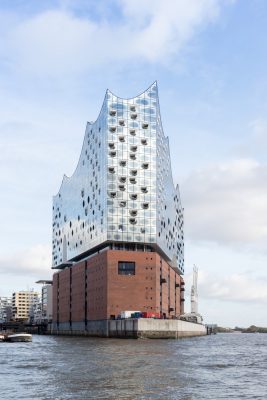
(121, 198)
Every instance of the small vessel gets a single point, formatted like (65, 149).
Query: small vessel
(2, 337)
(19, 337)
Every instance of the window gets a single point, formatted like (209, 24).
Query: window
(133, 213)
(126, 268)
(145, 165)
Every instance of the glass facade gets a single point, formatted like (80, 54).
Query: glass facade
(122, 189)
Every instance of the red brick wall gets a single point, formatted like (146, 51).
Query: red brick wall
(97, 287)
(64, 295)
(78, 292)
(55, 299)
(131, 292)
(93, 289)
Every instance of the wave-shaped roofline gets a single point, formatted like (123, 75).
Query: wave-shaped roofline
(134, 97)
(66, 177)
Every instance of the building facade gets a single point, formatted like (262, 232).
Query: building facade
(118, 214)
(5, 309)
(23, 303)
(46, 301)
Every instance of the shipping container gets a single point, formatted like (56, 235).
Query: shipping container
(128, 314)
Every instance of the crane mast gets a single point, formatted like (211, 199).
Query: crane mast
(194, 293)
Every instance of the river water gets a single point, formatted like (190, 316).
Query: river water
(222, 366)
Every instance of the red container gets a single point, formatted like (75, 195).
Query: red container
(144, 314)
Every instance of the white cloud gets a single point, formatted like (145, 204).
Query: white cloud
(35, 260)
(227, 204)
(166, 26)
(234, 287)
(57, 42)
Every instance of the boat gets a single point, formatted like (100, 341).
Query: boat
(2, 337)
(19, 337)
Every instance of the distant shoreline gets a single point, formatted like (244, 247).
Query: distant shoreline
(251, 329)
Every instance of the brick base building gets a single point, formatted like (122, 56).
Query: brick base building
(111, 281)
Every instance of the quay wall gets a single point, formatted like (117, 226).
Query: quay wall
(132, 328)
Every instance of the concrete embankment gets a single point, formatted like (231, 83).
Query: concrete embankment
(132, 328)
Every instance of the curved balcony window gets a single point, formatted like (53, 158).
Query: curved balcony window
(133, 196)
(144, 142)
(132, 132)
(112, 113)
(144, 189)
(133, 148)
(112, 195)
(112, 128)
(121, 138)
(121, 122)
(111, 170)
(145, 206)
(133, 213)
(145, 125)
(122, 163)
(145, 165)
(122, 188)
(132, 156)
(112, 153)
(132, 221)
(122, 203)
(133, 115)
(133, 172)
(132, 181)
(111, 145)
(132, 108)
(122, 179)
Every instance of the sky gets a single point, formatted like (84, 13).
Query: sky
(57, 58)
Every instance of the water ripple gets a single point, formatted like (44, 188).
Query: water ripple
(224, 366)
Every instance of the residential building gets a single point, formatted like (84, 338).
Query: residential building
(46, 300)
(22, 302)
(5, 309)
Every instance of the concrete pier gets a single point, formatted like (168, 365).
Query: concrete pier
(133, 328)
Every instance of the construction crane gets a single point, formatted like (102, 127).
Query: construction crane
(194, 293)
